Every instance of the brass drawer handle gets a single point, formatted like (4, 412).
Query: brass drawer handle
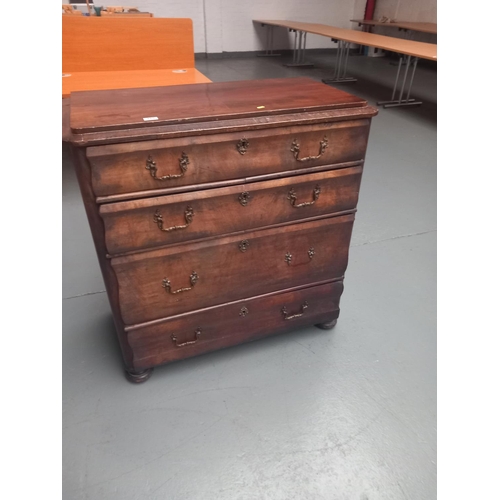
(305, 305)
(151, 166)
(310, 253)
(158, 220)
(192, 279)
(197, 334)
(296, 150)
(293, 198)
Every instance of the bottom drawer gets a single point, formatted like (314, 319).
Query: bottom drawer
(222, 326)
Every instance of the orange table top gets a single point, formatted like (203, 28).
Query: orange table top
(105, 80)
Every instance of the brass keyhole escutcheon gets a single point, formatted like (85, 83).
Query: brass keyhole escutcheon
(242, 146)
(244, 198)
(244, 245)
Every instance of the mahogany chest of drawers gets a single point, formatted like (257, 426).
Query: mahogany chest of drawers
(220, 212)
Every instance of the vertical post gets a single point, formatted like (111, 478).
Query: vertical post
(303, 57)
(267, 40)
(341, 58)
(269, 52)
(299, 47)
(397, 79)
(346, 58)
(294, 46)
(408, 62)
(411, 80)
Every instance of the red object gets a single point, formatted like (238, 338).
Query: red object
(369, 10)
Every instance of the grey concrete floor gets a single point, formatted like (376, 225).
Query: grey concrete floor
(310, 415)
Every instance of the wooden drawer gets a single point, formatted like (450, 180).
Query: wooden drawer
(153, 222)
(187, 162)
(230, 324)
(173, 280)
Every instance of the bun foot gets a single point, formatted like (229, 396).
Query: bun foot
(326, 326)
(138, 377)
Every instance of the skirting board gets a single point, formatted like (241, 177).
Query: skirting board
(288, 53)
(253, 53)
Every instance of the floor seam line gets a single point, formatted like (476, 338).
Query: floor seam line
(394, 238)
(83, 295)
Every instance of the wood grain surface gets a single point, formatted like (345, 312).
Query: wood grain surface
(105, 80)
(126, 44)
(232, 324)
(225, 273)
(123, 168)
(96, 111)
(219, 226)
(153, 222)
(399, 45)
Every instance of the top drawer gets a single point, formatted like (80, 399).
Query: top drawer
(170, 164)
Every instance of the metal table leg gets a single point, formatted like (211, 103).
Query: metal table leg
(340, 75)
(299, 51)
(269, 42)
(408, 60)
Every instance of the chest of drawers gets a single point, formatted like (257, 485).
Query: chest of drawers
(220, 212)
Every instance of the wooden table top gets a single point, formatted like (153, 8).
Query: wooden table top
(407, 25)
(104, 80)
(398, 45)
(122, 43)
(96, 111)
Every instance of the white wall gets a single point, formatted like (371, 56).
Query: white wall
(358, 11)
(226, 25)
(240, 34)
(407, 10)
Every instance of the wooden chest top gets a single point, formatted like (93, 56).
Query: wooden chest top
(113, 110)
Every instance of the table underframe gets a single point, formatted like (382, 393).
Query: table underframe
(340, 75)
(408, 61)
(342, 61)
